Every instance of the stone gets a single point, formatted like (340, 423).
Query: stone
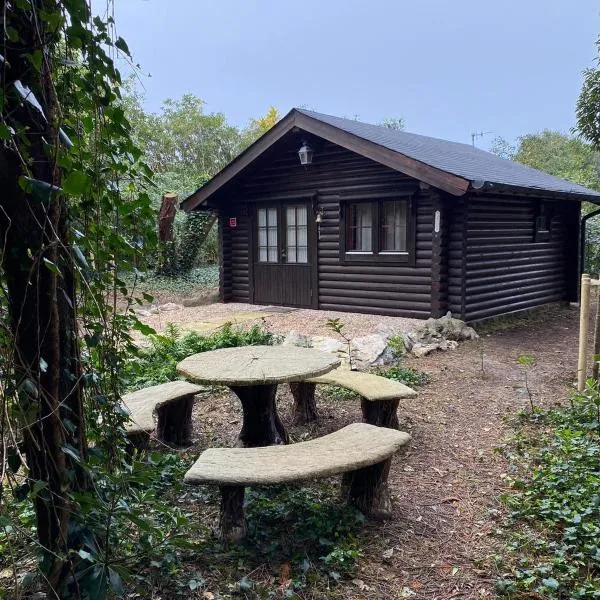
(169, 306)
(438, 334)
(371, 350)
(328, 344)
(294, 338)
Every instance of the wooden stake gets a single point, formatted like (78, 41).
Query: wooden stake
(596, 335)
(584, 314)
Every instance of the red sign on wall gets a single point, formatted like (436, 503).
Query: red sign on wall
(232, 221)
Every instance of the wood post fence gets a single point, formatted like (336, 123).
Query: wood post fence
(587, 283)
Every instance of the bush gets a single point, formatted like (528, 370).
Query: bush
(157, 364)
(406, 375)
(553, 527)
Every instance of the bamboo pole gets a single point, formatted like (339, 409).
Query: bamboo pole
(596, 356)
(584, 314)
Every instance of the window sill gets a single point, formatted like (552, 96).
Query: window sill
(368, 258)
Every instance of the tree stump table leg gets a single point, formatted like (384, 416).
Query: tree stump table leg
(262, 425)
(383, 413)
(305, 406)
(368, 490)
(232, 521)
(174, 426)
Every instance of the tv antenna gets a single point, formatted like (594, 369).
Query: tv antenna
(477, 134)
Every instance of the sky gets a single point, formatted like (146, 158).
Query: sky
(448, 68)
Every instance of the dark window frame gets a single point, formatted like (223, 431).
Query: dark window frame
(376, 255)
(542, 227)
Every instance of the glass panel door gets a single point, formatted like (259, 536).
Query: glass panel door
(267, 235)
(296, 234)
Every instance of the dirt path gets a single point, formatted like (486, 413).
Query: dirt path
(440, 543)
(448, 487)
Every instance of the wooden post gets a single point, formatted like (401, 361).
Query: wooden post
(232, 520)
(596, 332)
(584, 314)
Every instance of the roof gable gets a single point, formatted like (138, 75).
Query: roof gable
(449, 166)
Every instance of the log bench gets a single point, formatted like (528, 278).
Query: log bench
(172, 403)
(379, 396)
(361, 452)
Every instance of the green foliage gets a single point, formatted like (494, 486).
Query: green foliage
(406, 375)
(337, 326)
(396, 344)
(205, 276)
(157, 364)
(553, 528)
(526, 363)
(305, 524)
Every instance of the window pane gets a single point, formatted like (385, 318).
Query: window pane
(394, 226)
(360, 227)
(291, 255)
(301, 215)
(291, 216)
(262, 254)
(272, 255)
(302, 254)
(262, 217)
(272, 236)
(272, 217)
(302, 236)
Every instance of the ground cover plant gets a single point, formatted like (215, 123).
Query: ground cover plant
(157, 363)
(553, 527)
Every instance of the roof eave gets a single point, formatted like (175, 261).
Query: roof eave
(490, 187)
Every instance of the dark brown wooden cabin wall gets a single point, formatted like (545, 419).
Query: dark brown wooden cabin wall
(506, 270)
(456, 237)
(337, 174)
(235, 271)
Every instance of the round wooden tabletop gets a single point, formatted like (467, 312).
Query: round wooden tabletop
(256, 365)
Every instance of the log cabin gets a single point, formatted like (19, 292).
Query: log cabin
(330, 213)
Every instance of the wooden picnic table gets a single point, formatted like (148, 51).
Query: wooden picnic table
(253, 373)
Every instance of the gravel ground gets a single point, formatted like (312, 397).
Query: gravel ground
(278, 320)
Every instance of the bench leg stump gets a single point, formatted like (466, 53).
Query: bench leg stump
(174, 424)
(232, 522)
(262, 425)
(383, 413)
(305, 406)
(368, 490)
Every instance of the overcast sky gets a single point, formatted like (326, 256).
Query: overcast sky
(447, 67)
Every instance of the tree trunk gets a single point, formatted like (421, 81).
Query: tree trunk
(166, 216)
(305, 406)
(383, 413)
(174, 426)
(368, 490)
(262, 425)
(39, 277)
(232, 520)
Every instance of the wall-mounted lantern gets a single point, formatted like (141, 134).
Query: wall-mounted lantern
(305, 154)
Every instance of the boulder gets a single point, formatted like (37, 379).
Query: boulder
(294, 338)
(328, 344)
(438, 334)
(371, 350)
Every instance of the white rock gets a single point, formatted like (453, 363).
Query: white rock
(327, 344)
(369, 350)
(294, 338)
(169, 306)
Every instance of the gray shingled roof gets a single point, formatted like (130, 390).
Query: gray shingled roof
(459, 159)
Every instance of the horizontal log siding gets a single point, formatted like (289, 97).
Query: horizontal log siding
(455, 228)
(235, 266)
(506, 270)
(339, 174)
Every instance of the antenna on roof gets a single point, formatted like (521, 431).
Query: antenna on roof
(478, 134)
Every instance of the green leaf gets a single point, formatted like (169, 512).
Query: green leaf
(5, 133)
(122, 46)
(116, 583)
(85, 554)
(75, 183)
(52, 266)
(550, 583)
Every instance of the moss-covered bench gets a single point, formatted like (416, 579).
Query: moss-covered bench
(172, 402)
(379, 396)
(362, 452)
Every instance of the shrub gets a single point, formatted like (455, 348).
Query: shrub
(157, 364)
(553, 528)
(406, 375)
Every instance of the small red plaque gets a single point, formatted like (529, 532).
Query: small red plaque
(232, 221)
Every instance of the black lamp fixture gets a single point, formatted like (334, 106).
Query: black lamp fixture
(305, 154)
